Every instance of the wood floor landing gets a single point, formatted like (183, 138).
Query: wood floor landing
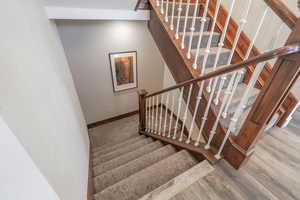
(272, 173)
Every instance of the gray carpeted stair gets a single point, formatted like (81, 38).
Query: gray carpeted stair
(111, 155)
(112, 144)
(189, 23)
(125, 158)
(238, 96)
(148, 179)
(211, 57)
(117, 174)
(152, 171)
(113, 147)
(204, 41)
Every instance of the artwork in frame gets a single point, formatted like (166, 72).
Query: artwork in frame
(124, 70)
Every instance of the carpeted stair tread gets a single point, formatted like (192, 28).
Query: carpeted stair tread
(125, 158)
(109, 145)
(240, 90)
(189, 23)
(204, 41)
(115, 175)
(212, 55)
(147, 180)
(121, 151)
(228, 76)
(118, 145)
(180, 183)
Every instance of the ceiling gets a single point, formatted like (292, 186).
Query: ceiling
(97, 4)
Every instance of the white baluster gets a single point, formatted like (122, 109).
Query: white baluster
(152, 114)
(167, 12)
(171, 117)
(203, 22)
(241, 73)
(187, 9)
(252, 81)
(192, 29)
(156, 115)
(160, 114)
(242, 24)
(178, 20)
(204, 118)
(221, 44)
(162, 7)
(178, 113)
(208, 46)
(186, 112)
(234, 119)
(157, 3)
(215, 126)
(236, 77)
(166, 114)
(147, 114)
(197, 105)
(172, 16)
(188, 141)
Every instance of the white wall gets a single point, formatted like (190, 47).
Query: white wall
(270, 26)
(20, 178)
(87, 45)
(38, 99)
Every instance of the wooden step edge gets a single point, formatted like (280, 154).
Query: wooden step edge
(180, 182)
(200, 149)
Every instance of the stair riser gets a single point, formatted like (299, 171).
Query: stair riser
(114, 176)
(183, 12)
(189, 24)
(126, 158)
(211, 59)
(205, 38)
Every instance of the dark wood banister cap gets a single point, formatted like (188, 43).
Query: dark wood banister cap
(280, 8)
(283, 51)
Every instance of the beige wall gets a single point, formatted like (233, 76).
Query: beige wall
(39, 101)
(270, 26)
(87, 44)
(23, 181)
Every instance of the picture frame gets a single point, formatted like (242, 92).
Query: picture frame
(123, 67)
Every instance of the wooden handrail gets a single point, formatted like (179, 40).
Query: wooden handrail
(283, 51)
(283, 12)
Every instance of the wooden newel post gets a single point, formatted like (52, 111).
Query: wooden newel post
(142, 110)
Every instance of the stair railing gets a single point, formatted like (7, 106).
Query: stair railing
(156, 112)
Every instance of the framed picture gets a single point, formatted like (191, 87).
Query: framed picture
(124, 70)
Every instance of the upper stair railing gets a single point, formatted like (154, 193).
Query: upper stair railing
(155, 107)
(214, 91)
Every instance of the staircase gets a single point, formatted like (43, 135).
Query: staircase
(217, 111)
(226, 93)
(142, 168)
